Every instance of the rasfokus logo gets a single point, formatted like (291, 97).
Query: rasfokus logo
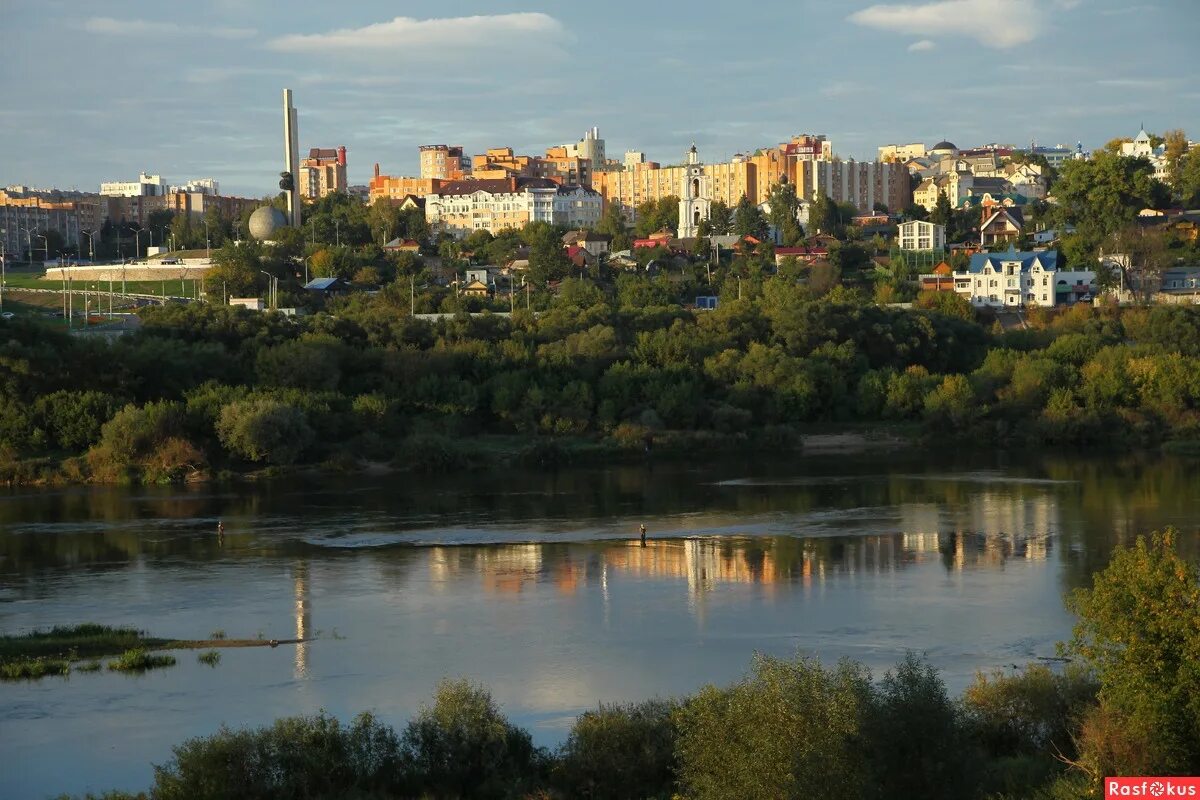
(1151, 787)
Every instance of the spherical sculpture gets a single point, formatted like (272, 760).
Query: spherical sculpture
(265, 221)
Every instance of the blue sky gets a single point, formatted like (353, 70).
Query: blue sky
(98, 91)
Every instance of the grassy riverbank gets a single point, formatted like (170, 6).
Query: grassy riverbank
(55, 651)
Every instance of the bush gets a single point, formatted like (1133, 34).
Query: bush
(140, 660)
(463, 746)
(264, 429)
(433, 453)
(74, 419)
(790, 729)
(618, 752)
(311, 757)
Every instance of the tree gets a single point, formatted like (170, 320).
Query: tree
(1138, 630)
(264, 429)
(749, 220)
(613, 224)
(720, 218)
(1144, 255)
(547, 258)
(789, 729)
(784, 204)
(823, 217)
(616, 752)
(1101, 195)
(943, 211)
(1189, 179)
(463, 746)
(313, 757)
(235, 268)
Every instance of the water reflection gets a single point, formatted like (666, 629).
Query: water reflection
(303, 622)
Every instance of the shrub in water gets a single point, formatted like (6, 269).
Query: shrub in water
(140, 660)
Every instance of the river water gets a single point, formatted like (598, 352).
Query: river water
(536, 586)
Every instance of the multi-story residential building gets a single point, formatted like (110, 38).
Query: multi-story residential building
(920, 235)
(864, 184)
(901, 152)
(1017, 279)
(144, 186)
(323, 172)
(955, 185)
(22, 226)
(395, 188)
(199, 186)
(460, 207)
(590, 148)
(443, 162)
(136, 211)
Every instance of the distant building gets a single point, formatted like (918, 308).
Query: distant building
(595, 243)
(1059, 154)
(590, 148)
(460, 207)
(920, 235)
(901, 152)
(323, 172)
(694, 196)
(443, 162)
(1020, 279)
(145, 185)
(1142, 147)
(999, 225)
(199, 186)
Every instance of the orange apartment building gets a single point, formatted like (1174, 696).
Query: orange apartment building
(323, 172)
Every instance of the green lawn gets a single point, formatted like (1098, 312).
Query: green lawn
(33, 280)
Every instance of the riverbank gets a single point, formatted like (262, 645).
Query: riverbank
(439, 453)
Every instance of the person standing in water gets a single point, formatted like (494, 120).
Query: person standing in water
(220, 530)
(643, 534)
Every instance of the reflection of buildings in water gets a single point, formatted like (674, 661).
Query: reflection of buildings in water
(991, 528)
(504, 568)
(302, 614)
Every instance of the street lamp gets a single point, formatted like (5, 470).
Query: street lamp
(272, 287)
(28, 240)
(92, 243)
(46, 244)
(207, 242)
(137, 241)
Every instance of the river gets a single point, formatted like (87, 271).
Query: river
(535, 585)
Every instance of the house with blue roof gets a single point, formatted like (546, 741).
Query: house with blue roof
(1022, 279)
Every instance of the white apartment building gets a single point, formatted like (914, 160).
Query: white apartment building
(145, 185)
(901, 152)
(920, 235)
(199, 186)
(460, 207)
(1019, 280)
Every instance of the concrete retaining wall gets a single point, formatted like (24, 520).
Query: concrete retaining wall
(129, 272)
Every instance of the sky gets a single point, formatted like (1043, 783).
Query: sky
(96, 91)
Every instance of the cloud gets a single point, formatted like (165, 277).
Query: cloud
(406, 33)
(107, 26)
(993, 23)
(924, 44)
(840, 89)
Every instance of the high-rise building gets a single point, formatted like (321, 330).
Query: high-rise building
(590, 148)
(323, 172)
(443, 162)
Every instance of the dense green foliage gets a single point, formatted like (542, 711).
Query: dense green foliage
(790, 729)
(202, 386)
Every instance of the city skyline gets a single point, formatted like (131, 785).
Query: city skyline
(384, 78)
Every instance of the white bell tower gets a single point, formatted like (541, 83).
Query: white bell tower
(695, 196)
